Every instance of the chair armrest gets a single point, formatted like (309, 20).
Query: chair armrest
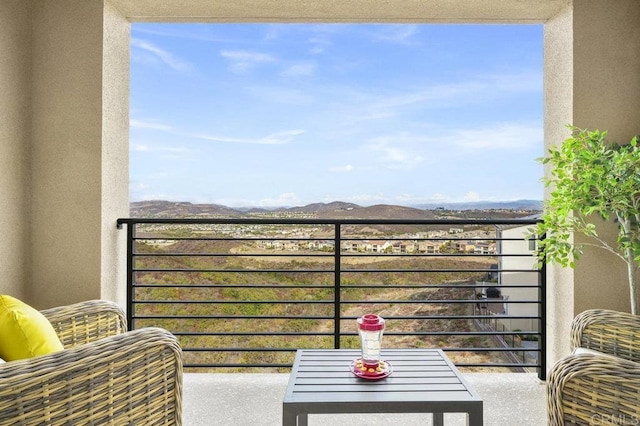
(86, 322)
(612, 332)
(593, 389)
(131, 378)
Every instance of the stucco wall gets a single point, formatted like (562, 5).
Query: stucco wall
(15, 63)
(115, 153)
(606, 86)
(66, 151)
(558, 93)
(592, 66)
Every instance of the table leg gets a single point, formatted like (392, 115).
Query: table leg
(288, 418)
(475, 417)
(303, 419)
(438, 419)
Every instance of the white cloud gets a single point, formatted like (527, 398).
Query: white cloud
(278, 138)
(200, 32)
(138, 147)
(281, 95)
(139, 124)
(436, 197)
(471, 196)
(400, 33)
(518, 82)
(164, 56)
(505, 136)
(469, 90)
(163, 151)
(319, 44)
(284, 199)
(366, 199)
(241, 61)
(393, 154)
(304, 69)
(342, 169)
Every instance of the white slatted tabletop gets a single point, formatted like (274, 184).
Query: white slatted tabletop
(422, 381)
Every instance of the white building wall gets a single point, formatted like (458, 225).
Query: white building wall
(518, 279)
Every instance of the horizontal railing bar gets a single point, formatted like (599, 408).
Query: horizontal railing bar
(227, 302)
(328, 239)
(330, 286)
(187, 349)
(261, 221)
(389, 333)
(327, 255)
(384, 255)
(436, 317)
(359, 271)
(236, 349)
(387, 318)
(251, 333)
(475, 270)
(350, 302)
(238, 271)
(437, 301)
(232, 239)
(187, 317)
(452, 237)
(292, 254)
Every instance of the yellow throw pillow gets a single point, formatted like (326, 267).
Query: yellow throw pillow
(24, 332)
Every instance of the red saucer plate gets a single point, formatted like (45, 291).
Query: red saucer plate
(384, 370)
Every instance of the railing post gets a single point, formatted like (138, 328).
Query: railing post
(336, 285)
(131, 233)
(542, 310)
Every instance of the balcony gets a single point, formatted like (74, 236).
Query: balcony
(64, 147)
(186, 275)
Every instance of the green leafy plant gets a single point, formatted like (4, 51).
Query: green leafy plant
(591, 177)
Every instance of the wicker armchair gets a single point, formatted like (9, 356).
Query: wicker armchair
(105, 375)
(588, 389)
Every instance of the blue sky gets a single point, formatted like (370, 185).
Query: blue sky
(290, 114)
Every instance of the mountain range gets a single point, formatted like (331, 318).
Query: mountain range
(336, 209)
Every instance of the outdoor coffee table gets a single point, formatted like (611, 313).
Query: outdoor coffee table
(422, 381)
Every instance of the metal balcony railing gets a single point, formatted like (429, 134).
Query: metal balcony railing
(244, 294)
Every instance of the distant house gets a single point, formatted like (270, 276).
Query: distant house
(291, 246)
(404, 247)
(429, 247)
(379, 246)
(484, 247)
(350, 246)
(464, 246)
(436, 234)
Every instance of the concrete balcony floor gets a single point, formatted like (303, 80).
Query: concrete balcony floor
(510, 399)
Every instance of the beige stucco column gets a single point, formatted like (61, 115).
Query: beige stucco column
(79, 151)
(592, 80)
(15, 138)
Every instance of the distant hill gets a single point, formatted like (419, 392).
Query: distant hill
(336, 206)
(379, 211)
(333, 210)
(486, 205)
(172, 209)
